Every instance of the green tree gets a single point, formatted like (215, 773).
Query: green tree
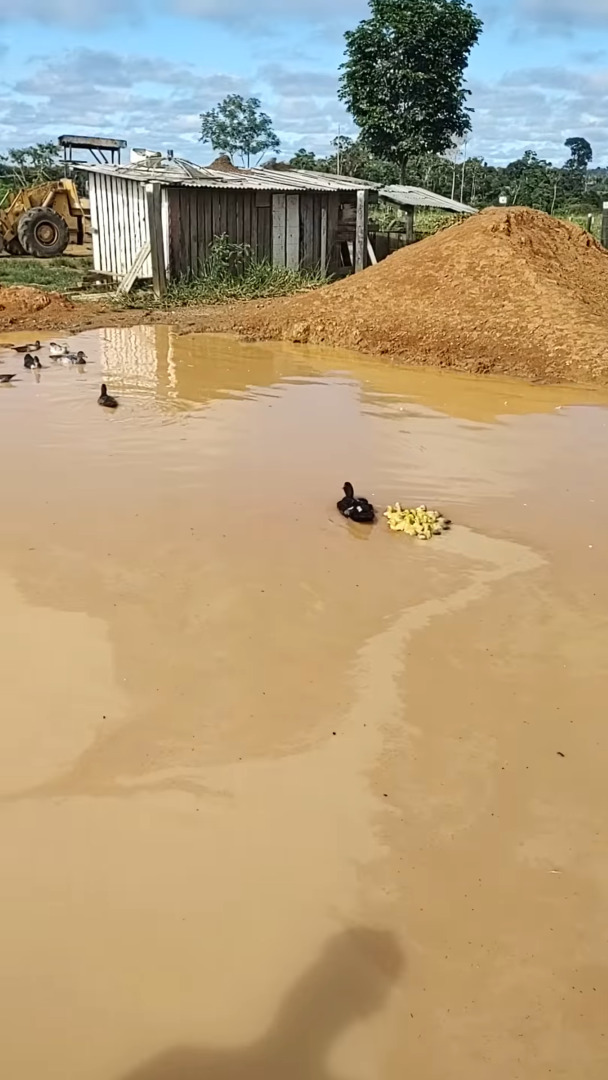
(23, 166)
(403, 78)
(581, 154)
(238, 126)
(305, 159)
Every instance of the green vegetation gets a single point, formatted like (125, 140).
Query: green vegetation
(238, 126)
(567, 190)
(403, 79)
(27, 167)
(230, 273)
(64, 274)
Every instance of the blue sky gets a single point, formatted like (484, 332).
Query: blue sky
(144, 69)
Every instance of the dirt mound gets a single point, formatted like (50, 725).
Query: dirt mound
(512, 291)
(19, 301)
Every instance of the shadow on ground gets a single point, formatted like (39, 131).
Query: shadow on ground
(351, 980)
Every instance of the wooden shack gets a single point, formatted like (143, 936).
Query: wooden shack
(289, 217)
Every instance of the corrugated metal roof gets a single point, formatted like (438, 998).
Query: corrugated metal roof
(179, 172)
(404, 195)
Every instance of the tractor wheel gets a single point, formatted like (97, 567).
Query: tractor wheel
(43, 233)
(14, 247)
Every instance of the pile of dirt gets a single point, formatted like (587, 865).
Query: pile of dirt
(17, 302)
(512, 291)
(224, 164)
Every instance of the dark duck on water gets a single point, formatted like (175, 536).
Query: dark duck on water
(105, 399)
(356, 509)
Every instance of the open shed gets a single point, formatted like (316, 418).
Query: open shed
(410, 199)
(289, 217)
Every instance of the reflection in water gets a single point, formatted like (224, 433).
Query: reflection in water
(229, 730)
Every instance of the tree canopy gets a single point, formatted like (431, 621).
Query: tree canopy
(527, 181)
(403, 78)
(581, 154)
(238, 126)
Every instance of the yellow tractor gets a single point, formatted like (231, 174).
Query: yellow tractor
(41, 221)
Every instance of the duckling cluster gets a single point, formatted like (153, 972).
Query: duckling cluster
(416, 521)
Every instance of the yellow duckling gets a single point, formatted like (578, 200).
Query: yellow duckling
(417, 521)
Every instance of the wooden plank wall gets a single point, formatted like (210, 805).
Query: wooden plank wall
(283, 228)
(197, 216)
(119, 224)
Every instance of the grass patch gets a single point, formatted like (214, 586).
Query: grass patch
(229, 273)
(61, 275)
(581, 220)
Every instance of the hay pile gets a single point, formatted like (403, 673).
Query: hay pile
(19, 301)
(512, 291)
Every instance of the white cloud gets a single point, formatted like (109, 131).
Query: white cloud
(83, 13)
(264, 15)
(540, 108)
(156, 103)
(77, 13)
(288, 82)
(149, 99)
(244, 11)
(572, 14)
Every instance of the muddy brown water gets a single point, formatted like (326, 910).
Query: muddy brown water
(283, 797)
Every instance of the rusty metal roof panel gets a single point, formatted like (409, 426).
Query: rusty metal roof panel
(179, 172)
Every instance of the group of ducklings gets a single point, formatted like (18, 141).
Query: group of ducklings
(416, 521)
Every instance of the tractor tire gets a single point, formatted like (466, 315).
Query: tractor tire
(14, 247)
(43, 233)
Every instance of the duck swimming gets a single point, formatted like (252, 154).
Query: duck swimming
(106, 399)
(33, 348)
(356, 509)
(6, 378)
(32, 362)
(75, 358)
(56, 351)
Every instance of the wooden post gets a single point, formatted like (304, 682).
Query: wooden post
(409, 225)
(590, 223)
(605, 225)
(361, 230)
(324, 240)
(157, 245)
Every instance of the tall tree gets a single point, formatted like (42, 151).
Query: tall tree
(238, 126)
(581, 154)
(403, 78)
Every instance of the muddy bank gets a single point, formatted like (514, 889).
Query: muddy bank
(511, 292)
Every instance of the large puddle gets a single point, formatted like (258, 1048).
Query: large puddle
(284, 798)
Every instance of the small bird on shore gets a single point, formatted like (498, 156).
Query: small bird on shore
(106, 399)
(6, 378)
(31, 362)
(356, 509)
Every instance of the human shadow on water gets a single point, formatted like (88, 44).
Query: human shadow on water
(350, 980)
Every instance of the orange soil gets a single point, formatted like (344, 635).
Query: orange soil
(508, 291)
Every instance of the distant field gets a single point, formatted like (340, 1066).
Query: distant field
(63, 274)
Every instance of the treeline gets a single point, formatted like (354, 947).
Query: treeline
(529, 181)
